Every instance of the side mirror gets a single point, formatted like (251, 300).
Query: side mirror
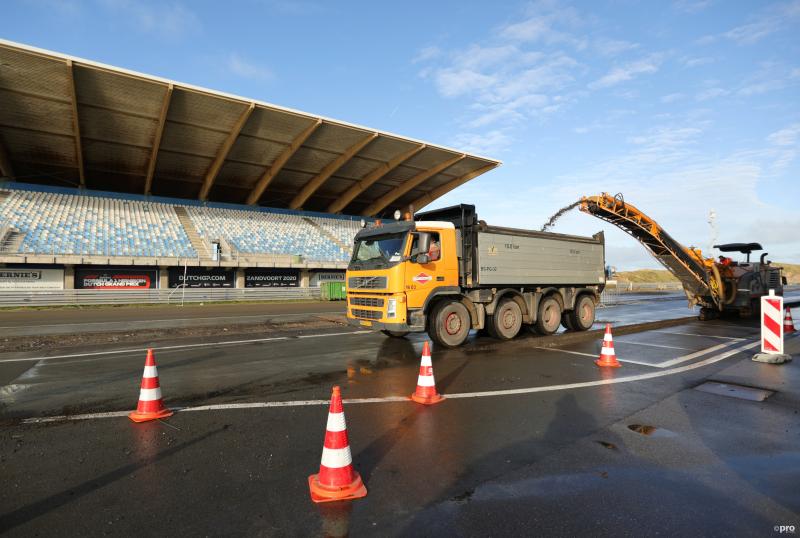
(423, 243)
(422, 257)
(784, 281)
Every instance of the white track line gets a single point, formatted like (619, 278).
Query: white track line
(388, 399)
(182, 346)
(704, 335)
(592, 355)
(651, 345)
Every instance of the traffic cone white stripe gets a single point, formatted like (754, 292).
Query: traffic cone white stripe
(150, 371)
(148, 395)
(607, 337)
(336, 422)
(335, 458)
(607, 351)
(426, 381)
(426, 361)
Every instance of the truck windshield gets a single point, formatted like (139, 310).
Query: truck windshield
(380, 251)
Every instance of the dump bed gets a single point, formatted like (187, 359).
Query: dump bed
(491, 256)
(519, 258)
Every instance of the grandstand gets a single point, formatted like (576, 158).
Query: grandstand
(104, 224)
(105, 167)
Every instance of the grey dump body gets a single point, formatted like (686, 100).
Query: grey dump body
(494, 257)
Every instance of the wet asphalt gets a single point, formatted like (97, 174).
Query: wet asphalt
(552, 459)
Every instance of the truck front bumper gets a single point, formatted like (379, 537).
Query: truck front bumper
(381, 326)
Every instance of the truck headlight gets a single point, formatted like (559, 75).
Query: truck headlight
(391, 308)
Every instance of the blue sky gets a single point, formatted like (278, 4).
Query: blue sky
(686, 107)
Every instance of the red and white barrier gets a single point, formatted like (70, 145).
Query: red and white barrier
(772, 323)
(772, 330)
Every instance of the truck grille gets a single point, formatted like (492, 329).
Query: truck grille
(366, 314)
(366, 301)
(367, 282)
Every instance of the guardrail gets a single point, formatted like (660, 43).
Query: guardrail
(157, 296)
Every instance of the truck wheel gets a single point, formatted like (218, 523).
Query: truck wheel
(506, 321)
(582, 317)
(450, 324)
(394, 334)
(549, 317)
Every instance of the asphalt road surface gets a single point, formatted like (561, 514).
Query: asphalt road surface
(527, 441)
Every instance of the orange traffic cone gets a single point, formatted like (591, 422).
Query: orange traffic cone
(336, 480)
(788, 324)
(151, 404)
(607, 355)
(426, 384)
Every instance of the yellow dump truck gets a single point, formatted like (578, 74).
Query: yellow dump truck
(445, 272)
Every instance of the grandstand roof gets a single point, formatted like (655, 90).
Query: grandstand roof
(73, 122)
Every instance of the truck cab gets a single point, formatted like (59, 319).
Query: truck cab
(394, 270)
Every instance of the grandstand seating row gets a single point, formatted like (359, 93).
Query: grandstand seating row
(72, 224)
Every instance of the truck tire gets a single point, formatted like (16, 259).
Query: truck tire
(549, 317)
(582, 317)
(506, 321)
(450, 324)
(394, 334)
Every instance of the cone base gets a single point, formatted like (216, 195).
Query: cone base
(608, 364)
(144, 417)
(427, 400)
(323, 494)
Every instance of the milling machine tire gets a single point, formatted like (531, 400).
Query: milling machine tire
(450, 324)
(582, 316)
(506, 321)
(566, 321)
(549, 316)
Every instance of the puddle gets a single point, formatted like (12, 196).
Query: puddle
(606, 444)
(651, 431)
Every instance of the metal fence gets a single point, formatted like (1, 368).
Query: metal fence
(157, 296)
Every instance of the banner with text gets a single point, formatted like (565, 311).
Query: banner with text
(21, 278)
(126, 278)
(202, 277)
(262, 277)
(318, 278)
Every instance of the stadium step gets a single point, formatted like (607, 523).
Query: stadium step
(11, 241)
(191, 232)
(325, 233)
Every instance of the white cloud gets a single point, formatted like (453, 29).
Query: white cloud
(241, 67)
(167, 19)
(711, 93)
(427, 53)
(628, 71)
(539, 26)
(672, 97)
(697, 61)
(490, 143)
(613, 47)
(785, 137)
(772, 19)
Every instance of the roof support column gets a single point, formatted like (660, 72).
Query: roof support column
(76, 126)
(370, 179)
(162, 121)
(407, 185)
(280, 161)
(222, 154)
(424, 200)
(316, 182)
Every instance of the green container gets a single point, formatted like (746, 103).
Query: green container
(333, 291)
